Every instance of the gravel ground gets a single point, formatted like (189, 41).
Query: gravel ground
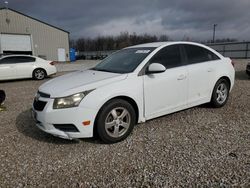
(200, 146)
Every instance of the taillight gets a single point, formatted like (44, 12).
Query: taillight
(233, 63)
(52, 63)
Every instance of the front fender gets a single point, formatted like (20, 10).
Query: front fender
(130, 87)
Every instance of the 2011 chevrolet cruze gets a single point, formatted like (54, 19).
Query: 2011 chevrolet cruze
(131, 86)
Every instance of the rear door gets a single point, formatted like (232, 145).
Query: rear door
(201, 64)
(24, 66)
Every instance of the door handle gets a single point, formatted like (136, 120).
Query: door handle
(181, 77)
(209, 70)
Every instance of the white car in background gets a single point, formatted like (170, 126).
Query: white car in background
(25, 66)
(131, 86)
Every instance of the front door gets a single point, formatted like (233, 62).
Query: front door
(166, 92)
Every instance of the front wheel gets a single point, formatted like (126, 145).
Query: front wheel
(115, 121)
(220, 93)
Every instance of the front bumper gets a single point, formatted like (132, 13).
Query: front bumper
(47, 118)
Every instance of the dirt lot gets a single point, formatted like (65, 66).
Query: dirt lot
(199, 146)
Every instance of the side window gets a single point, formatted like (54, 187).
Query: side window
(169, 56)
(197, 54)
(24, 59)
(8, 60)
(17, 59)
(211, 55)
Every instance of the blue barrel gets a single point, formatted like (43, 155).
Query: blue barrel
(72, 54)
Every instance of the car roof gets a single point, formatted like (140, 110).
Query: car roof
(160, 44)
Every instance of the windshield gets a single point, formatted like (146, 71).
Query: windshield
(124, 61)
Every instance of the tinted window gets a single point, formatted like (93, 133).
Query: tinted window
(26, 59)
(9, 60)
(18, 59)
(169, 56)
(124, 61)
(197, 54)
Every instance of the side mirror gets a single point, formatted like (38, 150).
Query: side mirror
(155, 68)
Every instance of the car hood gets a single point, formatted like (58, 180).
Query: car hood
(79, 81)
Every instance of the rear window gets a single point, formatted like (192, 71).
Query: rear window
(197, 54)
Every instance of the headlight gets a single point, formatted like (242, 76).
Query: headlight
(69, 101)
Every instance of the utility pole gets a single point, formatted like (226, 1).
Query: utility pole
(6, 4)
(214, 32)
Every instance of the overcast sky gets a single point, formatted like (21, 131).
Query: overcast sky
(178, 19)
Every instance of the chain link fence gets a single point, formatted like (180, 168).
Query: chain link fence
(235, 50)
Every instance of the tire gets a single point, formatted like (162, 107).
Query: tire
(39, 74)
(115, 121)
(220, 93)
(248, 73)
(2, 97)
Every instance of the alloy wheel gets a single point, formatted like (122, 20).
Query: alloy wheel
(117, 122)
(221, 93)
(39, 74)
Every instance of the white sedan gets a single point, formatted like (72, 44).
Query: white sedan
(131, 86)
(25, 66)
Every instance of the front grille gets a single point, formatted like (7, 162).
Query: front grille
(66, 127)
(39, 105)
(44, 95)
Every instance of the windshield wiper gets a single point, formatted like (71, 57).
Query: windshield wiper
(104, 70)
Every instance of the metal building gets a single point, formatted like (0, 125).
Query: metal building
(22, 34)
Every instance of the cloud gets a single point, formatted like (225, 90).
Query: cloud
(178, 19)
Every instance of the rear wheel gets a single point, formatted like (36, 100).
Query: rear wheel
(115, 121)
(39, 74)
(220, 93)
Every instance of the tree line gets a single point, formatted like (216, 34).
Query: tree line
(106, 43)
(124, 39)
